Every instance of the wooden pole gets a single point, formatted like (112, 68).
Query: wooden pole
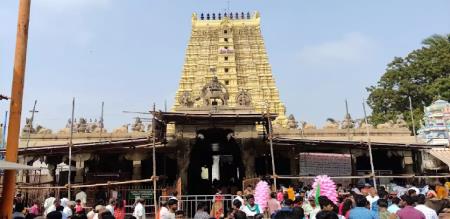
(269, 121)
(412, 118)
(370, 146)
(9, 178)
(101, 121)
(347, 116)
(31, 122)
(70, 150)
(154, 159)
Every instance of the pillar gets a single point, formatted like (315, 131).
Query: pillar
(183, 161)
(137, 158)
(294, 163)
(23, 174)
(248, 158)
(80, 159)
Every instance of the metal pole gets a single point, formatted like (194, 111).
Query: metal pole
(101, 121)
(370, 146)
(4, 130)
(269, 121)
(70, 149)
(31, 123)
(9, 177)
(154, 159)
(412, 118)
(347, 116)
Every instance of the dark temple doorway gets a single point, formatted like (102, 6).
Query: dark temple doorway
(215, 162)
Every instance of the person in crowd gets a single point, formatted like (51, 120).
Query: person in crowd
(18, 211)
(54, 215)
(248, 190)
(312, 212)
(326, 204)
(346, 207)
(239, 215)
(163, 210)
(327, 215)
(119, 209)
(394, 207)
(412, 192)
(280, 195)
(273, 204)
(217, 209)
(361, 211)
(179, 214)
(441, 191)
(172, 206)
(54, 206)
(372, 197)
(239, 197)
(383, 213)
(251, 209)
(298, 212)
(139, 209)
(427, 211)
(408, 211)
(81, 195)
(67, 209)
(35, 209)
(78, 208)
(286, 207)
(201, 211)
(49, 202)
(110, 206)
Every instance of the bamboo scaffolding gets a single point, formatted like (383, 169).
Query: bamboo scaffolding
(357, 177)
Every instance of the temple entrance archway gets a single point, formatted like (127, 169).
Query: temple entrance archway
(215, 162)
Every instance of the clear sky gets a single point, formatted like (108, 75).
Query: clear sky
(130, 53)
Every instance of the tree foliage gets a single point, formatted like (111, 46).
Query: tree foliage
(423, 75)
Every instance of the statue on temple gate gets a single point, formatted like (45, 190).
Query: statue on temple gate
(42, 130)
(28, 128)
(213, 91)
(331, 124)
(82, 126)
(138, 125)
(348, 123)
(185, 99)
(400, 122)
(243, 98)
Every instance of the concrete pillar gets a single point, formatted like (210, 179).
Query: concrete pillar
(23, 174)
(137, 158)
(408, 162)
(80, 159)
(248, 158)
(294, 163)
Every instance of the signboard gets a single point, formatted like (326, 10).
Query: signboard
(144, 194)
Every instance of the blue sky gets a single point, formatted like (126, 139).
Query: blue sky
(130, 53)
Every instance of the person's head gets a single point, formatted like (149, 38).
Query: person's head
(383, 194)
(360, 201)
(78, 202)
(240, 215)
(54, 215)
(348, 204)
(119, 204)
(249, 187)
(105, 214)
(251, 199)
(112, 201)
(395, 200)
(179, 214)
(284, 215)
(407, 200)
(382, 203)
(298, 212)
(287, 203)
(412, 192)
(326, 215)
(172, 204)
(273, 195)
(51, 194)
(326, 204)
(237, 204)
(372, 191)
(239, 193)
(420, 199)
(312, 202)
(202, 206)
(57, 202)
(18, 207)
(59, 208)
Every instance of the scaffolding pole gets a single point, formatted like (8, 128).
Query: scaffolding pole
(154, 158)
(369, 145)
(9, 177)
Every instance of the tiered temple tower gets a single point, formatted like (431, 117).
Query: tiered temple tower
(229, 47)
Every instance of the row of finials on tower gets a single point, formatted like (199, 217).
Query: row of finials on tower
(229, 15)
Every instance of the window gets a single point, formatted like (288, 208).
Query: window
(227, 82)
(225, 31)
(226, 47)
(225, 58)
(225, 39)
(226, 69)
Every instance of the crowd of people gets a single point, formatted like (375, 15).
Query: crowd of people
(63, 208)
(364, 202)
(299, 202)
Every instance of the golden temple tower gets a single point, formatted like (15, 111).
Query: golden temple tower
(226, 58)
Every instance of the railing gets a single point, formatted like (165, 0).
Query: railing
(189, 203)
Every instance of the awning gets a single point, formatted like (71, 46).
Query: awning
(6, 165)
(442, 154)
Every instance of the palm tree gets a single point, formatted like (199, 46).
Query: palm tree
(436, 39)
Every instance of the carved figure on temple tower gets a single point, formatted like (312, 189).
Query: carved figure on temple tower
(28, 128)
(243, 98)
(400, 122)
(292, 123)
(82, 125)
(42, 130)
(331, 124)
(213, 91)
(185, 99)
(348, 122)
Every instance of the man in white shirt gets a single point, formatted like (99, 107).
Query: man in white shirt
(372, 197)
(139, 209)
(110, 206)
(428, 212)
(172, 206)
(49, 202)
(82, 196)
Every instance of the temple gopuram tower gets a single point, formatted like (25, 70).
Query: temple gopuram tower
(228, 50)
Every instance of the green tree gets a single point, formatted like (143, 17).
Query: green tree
(422, 75)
